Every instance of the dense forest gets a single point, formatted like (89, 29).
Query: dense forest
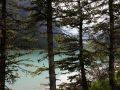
(92, 53)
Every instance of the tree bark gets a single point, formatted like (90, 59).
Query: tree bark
(82, 68)
(3, 46)
(111, 55)
(52, 75)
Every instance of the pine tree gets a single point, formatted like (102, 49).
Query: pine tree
(72, 17)
(81, 60)
(3, 46)
(52, 75)
(111, 55)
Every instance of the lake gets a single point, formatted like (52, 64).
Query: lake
(28, 82)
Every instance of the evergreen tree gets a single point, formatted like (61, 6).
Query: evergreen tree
(52, 75)
(111, 55)
(81, 60)
(3, 46)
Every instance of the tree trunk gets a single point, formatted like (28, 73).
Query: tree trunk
(84, 81)
(82, 68)
(2, 46)
(52, 75)
(111, 55)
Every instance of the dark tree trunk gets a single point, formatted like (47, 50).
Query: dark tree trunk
(52, 75)
(82, 68)
(111, 55)
(2, 46)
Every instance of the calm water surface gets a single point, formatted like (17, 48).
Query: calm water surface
(27, 82)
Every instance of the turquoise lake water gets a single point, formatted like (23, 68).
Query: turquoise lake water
(27, 82)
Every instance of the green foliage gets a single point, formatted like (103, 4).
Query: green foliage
(38, 71)
(100, 85)
(15, 65)
(95, 50)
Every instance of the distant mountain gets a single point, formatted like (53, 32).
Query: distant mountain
(37, 38)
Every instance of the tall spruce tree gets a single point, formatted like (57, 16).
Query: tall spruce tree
(3, 46)
(111, 55)
(75, 19)
(81, 60)
(105, 33)
(42, 13)
(52, 75)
